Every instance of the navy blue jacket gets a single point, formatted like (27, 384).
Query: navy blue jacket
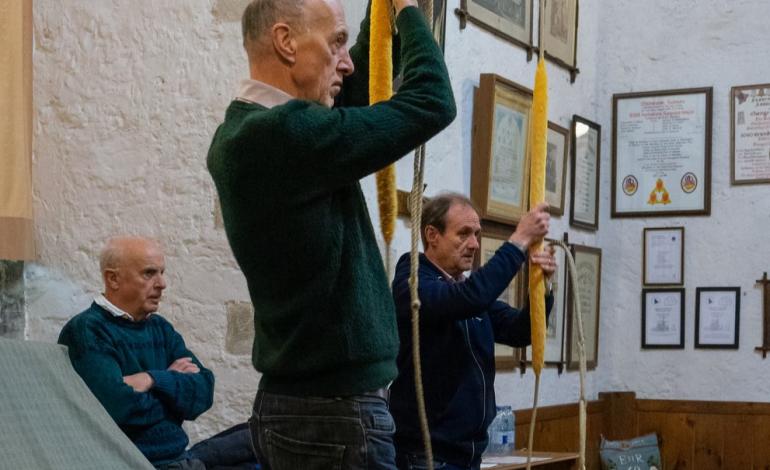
(459, 324)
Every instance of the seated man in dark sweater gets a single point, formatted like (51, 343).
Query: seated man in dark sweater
(286, 162)
(139, 368)
(460, 320)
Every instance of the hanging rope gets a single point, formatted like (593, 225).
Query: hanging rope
(578, 320)
(415, 208)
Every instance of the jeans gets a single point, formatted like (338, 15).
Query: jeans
(419, 462)
(229, 450)
(309, 433)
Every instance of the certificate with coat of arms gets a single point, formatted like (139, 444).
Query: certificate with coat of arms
(661, 153)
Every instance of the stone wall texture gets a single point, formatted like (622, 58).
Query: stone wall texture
(128, 95)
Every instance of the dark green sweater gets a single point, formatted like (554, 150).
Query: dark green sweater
(104, 348)
(298, 225)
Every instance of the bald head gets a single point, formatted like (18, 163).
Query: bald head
(260, 16)
(133, 271)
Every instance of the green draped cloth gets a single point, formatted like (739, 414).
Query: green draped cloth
(50, 420)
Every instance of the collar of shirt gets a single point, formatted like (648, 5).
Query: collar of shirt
(102, 301)
(256, 92)
(459, 278)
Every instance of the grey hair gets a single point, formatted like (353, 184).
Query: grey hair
(435, 210)
(114, 250)
(260, 15)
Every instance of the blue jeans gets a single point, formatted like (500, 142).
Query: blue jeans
(229, 450)
(316, 433)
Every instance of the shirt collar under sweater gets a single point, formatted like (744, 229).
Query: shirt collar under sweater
(102, 301)
(254, 91)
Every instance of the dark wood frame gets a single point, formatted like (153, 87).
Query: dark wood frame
(644, 257)
(572, 68)
(573, 152)
(482, 141)
(708, 94)
(465, 16)
(733, 92)
(736, 339)
(559, 211)
(645, 345)
(572, 356)
(502, 232)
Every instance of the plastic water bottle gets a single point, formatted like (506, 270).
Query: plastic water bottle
(501, 433)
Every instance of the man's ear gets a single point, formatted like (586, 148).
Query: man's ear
(111, 281)
(431, 234)
(284, 42)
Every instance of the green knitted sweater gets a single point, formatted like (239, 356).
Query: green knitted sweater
(298, 225)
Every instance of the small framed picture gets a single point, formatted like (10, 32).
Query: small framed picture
(663, 256)
(663, 318)
(588, 263)
(554, 336)
(586, 155)
(493, 236)
(717, 317)
(508, 19)
(749, 127)
(500, 149)
(555, 168)
(559, 33)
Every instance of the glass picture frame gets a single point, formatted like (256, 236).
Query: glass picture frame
(556, 168)
(661, 153)
(749, 134)
(500, 149)
(560, 34)
(717, 317)
(585, 148)
(510, 20)
(663, 256)
(663, 318)
(492, 237)
(588, 263)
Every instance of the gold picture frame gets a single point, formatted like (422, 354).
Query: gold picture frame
(500, 155)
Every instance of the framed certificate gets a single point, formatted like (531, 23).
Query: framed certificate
(663, 256)
(500, 148)
(750, 134)
(560, 27)
(717, 317)
(661, 153)
(492, 237)
(508, 19)
(556, 168)
(663, 318)
(588, 262)
(586, 155)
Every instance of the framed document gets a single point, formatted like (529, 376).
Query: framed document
(661, 153)
(717, 317)
(555, 168)
(492, 237)
(663, 318)
(554, 335)
(750, 134)
(439, 21)
(500, 161)
(560, 33)
(586, 155)
(663, 256)
(588, 262)
(508, 19)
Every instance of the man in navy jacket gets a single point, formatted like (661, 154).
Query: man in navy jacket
(460, 320)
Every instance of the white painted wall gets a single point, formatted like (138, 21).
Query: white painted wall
(128, 94)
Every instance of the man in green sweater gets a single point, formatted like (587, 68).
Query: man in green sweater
(139, 368)
(287, 163)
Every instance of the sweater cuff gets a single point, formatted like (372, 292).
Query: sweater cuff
(164, 380)
(407, 15)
